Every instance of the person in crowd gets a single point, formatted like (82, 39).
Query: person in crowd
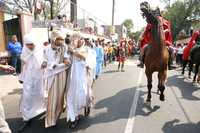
(121, 55)
(130, 48)
(105, 48)
(91, 66)
(15, 49)
(186, 52)
(56, 62)
(78, 91)
(180, 54)
(110, 52)
(32, 99)
(46, 44)
(99, 58)
(67, 40)
(4, 128)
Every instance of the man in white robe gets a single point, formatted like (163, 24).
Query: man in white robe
(91, 70)
(77, 95)
(4, 128)
(32, 100)
(56, 63)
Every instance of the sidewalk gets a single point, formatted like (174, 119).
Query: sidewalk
(8, 83)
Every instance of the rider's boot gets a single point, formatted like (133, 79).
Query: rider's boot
(141, 65)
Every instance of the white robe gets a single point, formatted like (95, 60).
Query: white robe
(91, 72)
(33, 101)
(91, 60)
(78, 92)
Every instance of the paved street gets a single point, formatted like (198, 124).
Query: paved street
(120, 106)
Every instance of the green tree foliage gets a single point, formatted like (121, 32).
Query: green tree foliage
(180, 14)
(128, 23)
(135, 35)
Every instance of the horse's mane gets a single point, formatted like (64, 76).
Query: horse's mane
(158, 33)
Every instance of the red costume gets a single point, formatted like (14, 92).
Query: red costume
(122, 51)
(186, 52)
(146, 38)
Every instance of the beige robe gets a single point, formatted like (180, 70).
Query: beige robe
(56, 84)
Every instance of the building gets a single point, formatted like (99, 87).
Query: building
(87, 25)
(116, 31)
(121, 31)
(13, 23)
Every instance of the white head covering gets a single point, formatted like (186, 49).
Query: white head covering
(37, 52)
(57, 34)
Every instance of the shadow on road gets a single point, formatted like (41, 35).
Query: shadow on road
(108, 110)
(142, 108)
(17, 91)
(110, 71)
(187, 89)
(174, 127)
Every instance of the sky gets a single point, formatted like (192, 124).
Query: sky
(124, 9)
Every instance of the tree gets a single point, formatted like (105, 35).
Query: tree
(136, 35)
(180, 14)
(167, 2)
(22, 5)
(128, 23)
(49, 7)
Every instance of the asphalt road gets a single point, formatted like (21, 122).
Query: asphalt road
(120, 106)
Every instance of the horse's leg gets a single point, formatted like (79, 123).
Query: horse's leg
(190, 68)
(159, 82)
(162, 77)
(149, 85)
(196, 72)
(184, 65)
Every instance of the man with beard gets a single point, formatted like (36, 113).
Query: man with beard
(77, 96)
(56, 64)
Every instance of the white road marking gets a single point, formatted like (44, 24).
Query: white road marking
(131, 119)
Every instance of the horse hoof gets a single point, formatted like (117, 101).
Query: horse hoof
(162, 98)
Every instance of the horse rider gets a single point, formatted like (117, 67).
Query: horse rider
(186, 51)
(146, 36)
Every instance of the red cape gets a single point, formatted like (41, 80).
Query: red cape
(186, 51)
(146, 37)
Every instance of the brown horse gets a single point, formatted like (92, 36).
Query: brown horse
(156, 54)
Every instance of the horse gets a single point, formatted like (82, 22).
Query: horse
(195, 59)
(156, 55)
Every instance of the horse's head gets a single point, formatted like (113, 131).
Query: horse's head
(149, 14)
(145, 8)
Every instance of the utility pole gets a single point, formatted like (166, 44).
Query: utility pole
(74, 12)
(113, 12)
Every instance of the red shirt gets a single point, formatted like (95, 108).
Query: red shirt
(186, 52)
(146, 37)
